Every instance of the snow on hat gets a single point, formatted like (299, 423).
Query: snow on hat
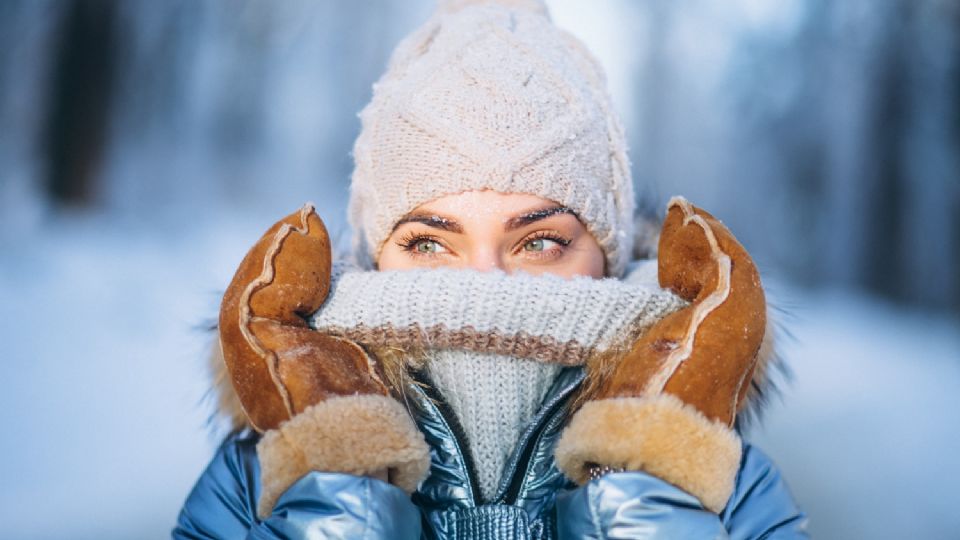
(491, 95)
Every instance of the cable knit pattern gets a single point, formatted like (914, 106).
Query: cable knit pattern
(546, 318)
(494, 398)
(491, 95)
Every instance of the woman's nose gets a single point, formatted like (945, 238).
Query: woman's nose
(486, 260)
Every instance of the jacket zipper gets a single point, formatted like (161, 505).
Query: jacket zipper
(531, 439)
(452, 423)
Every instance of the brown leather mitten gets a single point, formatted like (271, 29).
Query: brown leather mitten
(320, 401)
(669, 405)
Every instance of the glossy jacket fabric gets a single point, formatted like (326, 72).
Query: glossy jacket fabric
(534, 500)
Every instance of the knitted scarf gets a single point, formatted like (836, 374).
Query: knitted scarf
(492, 343)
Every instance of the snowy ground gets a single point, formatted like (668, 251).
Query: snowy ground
(105, 421)
(869, 433)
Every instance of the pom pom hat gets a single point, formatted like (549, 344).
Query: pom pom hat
(491, 95)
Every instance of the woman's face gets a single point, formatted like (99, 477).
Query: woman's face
(487, 230)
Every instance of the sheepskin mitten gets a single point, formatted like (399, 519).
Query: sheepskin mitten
(319, 400)
(669, 405)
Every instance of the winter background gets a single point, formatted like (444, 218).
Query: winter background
(145, 145)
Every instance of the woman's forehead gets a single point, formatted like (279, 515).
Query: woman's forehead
(472, 205)
(487, 210)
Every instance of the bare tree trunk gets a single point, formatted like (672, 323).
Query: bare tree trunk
(80, 93)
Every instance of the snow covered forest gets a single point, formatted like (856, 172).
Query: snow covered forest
(144, 145)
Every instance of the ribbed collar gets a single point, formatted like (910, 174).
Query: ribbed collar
(545, 318)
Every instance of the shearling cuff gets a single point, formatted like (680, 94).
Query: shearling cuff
(358, 434)
(660, 435)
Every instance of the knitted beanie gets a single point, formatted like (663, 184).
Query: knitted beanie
(491, 95)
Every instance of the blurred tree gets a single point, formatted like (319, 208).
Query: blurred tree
(80, 90)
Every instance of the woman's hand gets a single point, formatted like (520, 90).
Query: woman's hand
(278, 364)
(320, 400)
(668, 407)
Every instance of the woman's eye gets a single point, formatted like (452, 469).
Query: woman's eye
(540, 244)
(428, 247)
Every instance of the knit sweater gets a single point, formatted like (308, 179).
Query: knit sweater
(492, 343)
(494, 396)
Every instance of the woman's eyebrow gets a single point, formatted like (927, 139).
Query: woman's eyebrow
(431, 220)
(536, 215)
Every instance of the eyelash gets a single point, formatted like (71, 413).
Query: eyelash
(409, 241)
(544, 235)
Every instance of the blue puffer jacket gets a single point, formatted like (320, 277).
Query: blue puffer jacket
(534, 500)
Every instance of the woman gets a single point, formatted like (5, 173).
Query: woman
(505, 371)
